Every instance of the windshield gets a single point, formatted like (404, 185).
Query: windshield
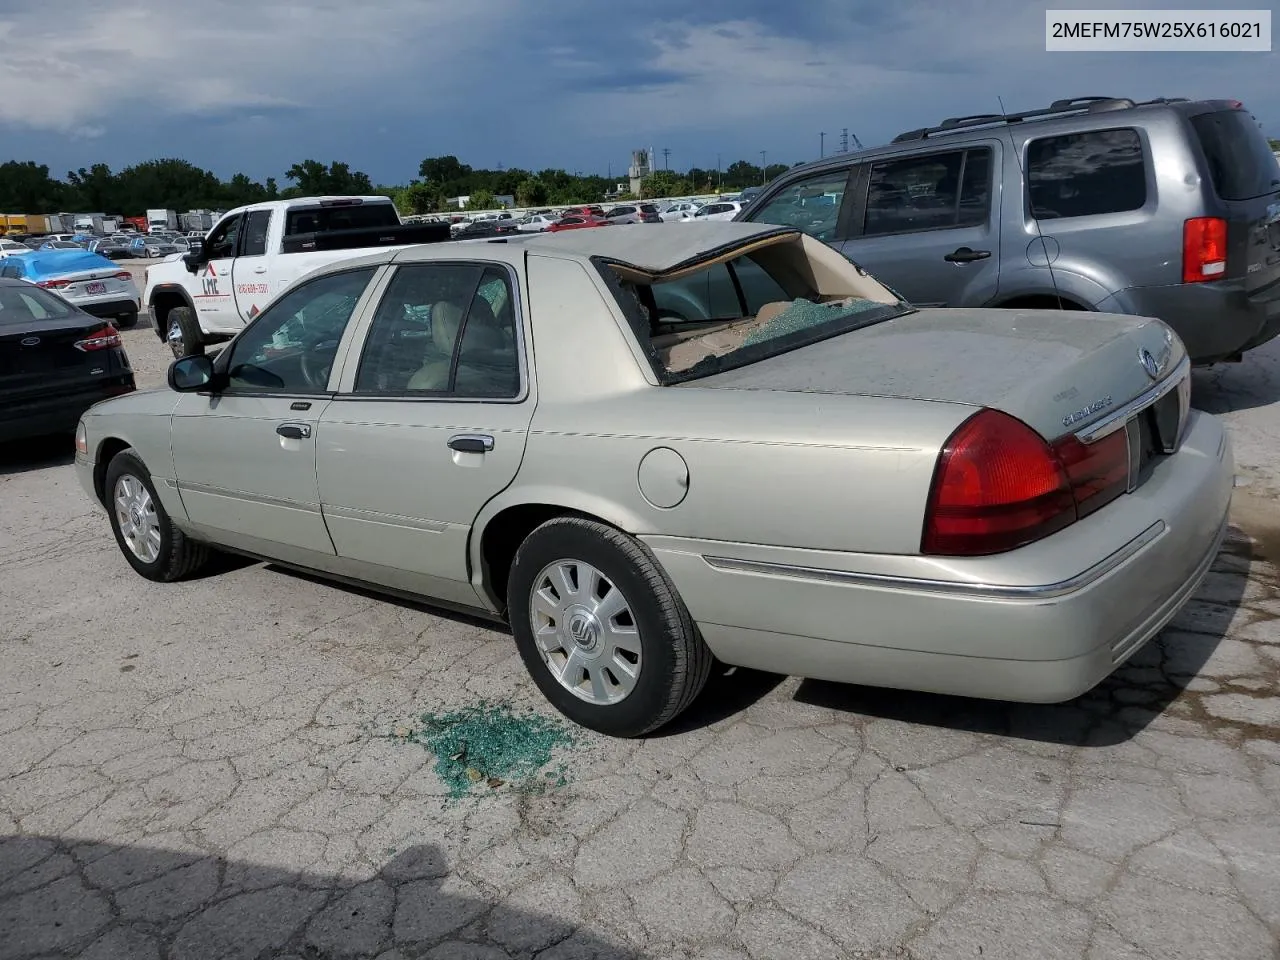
(747, 308)
(22, 305)
(1240, 160)
(349, 217)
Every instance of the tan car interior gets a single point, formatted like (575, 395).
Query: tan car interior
(797, 262)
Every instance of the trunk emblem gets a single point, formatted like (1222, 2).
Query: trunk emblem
(29, 341)
(1149, 364)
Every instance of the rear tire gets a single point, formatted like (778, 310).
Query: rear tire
(152, 545)
(182, 333)
(627, 688)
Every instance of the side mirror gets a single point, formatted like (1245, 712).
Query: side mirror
(191, 374)
(193, 261)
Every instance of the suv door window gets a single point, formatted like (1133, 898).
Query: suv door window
(222, 241)
(1086, 174)
(812, 205)
(1241, 163)
(443, 329)
(932, 192)
(290, 348)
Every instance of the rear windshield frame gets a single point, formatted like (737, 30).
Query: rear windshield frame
(743, 356)
(1235, 174)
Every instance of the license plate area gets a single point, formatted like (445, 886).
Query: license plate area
(95, 287)
(1156, 431)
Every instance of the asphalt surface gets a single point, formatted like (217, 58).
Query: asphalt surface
(239, 767)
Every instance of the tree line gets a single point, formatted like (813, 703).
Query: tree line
(174, 184)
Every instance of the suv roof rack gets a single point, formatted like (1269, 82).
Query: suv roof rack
(1055, 109)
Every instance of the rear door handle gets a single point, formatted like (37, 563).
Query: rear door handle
(471, 443)
(966, 255)
(294, 431)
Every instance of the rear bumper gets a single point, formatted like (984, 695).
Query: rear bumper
(58, 414)
(108, 308)
(1214, 320)
(987, 631)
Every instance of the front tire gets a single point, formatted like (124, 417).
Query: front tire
(152, 545)
(182, 333)
(602, 630)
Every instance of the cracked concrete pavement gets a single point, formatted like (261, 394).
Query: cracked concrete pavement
(202, 771)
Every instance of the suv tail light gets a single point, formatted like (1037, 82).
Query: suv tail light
(102, 339)
(1204, 249)
(999, 485)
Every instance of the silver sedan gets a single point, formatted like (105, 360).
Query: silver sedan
(643, 449)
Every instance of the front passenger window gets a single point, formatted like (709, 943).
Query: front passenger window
(290, 348)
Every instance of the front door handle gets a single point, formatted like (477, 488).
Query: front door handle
(471, 443)
(965, 255)
(259, 269)
(294, 431)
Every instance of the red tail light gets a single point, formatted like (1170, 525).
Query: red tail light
(124, 275)
(1097, 472)
(1204, 249)
(999, 485)
(103, 339)
(53, 284)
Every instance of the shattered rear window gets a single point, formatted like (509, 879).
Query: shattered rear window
(739, 310)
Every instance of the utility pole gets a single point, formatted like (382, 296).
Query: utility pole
(762, 168)
(719, 179)
(844, 140)
(666, 157)
(822, 144)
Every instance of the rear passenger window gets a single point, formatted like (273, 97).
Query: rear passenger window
(1086, 174)
(934, 192)
(443, 329)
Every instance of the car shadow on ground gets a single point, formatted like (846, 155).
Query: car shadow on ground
(1113, 712)
(65, 898)
(36, 453)
(1227, 387)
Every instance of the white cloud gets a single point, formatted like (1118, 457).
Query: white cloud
(81, 68)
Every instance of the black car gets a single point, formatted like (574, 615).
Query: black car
(56, 361)
(479, 229)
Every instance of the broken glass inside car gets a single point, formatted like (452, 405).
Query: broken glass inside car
(740, 305)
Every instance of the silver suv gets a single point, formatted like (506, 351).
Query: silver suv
(1165, 208)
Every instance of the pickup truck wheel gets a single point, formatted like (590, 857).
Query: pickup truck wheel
(152, 545)
(182, 333)
(602, 630)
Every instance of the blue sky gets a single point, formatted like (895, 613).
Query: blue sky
(254, 85)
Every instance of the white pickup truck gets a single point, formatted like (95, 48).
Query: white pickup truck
(254, 252)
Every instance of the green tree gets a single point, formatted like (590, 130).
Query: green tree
(664, 183)
(532, 192)
(313, 178)
(96, 188)
(1275, 144)
(26, 187)
(482, 200)
(417, 198)
(741, 174)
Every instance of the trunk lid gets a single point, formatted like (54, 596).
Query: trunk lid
(40, 357)
(89, 283)
(1057, 371)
